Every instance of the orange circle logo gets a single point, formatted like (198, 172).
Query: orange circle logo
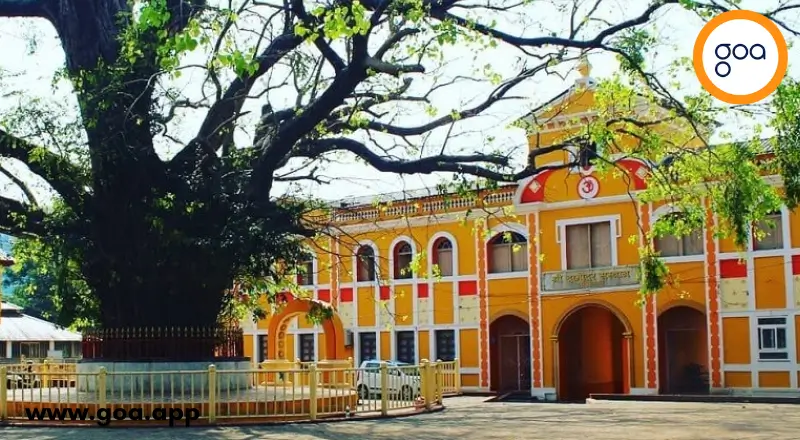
(740, 57)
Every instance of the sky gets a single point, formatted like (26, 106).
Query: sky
(30, 50)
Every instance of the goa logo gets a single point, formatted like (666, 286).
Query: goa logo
(740, 57)
(742, 54)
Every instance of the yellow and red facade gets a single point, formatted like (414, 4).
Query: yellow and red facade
(527, 320)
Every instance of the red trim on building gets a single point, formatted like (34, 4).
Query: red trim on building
(324, 295)
(538, 184)
(346, 294)
(637, 171)
(795, 264)
(467, 288)
(732, 269)
(422, 291)
(385, 293)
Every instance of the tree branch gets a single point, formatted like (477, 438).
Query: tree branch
(18, 220)
(223, 113)
(66, 178)
(462, 164)
(393, 69)
(23, 8)
(441, 13)
(21, 185)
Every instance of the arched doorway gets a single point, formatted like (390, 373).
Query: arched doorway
(278, 324)
(682, 351)
(593, 354)
(510, 354)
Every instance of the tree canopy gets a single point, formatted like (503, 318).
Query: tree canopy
(157, 220)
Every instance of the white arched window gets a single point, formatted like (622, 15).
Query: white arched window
(403, 256)
(365, 264)
(508, 252)
(443, 256)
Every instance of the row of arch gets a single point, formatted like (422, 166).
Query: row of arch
(507, 251)
(593, 351)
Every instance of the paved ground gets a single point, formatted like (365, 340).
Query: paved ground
(468, 418)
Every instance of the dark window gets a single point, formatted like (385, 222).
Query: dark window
(307, 352)
(66, 349)
(2, 349)
(367, 346)
(365, 264)
(403, 257)
(406, 350)
(262, 348)
(772, 340)
(305, 276)
(445, 345)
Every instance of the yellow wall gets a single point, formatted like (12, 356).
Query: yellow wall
(770, 283)
(443, 311)
(469, 348)
(508, 296)
(737, 331)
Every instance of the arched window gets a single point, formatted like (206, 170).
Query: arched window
(365, 264)
(403, 255)
(305, 272)
(508, 252)
(443, 257)
(679, 246)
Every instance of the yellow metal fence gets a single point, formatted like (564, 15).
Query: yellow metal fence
(274, 391)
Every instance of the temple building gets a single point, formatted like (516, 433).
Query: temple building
(543, 297)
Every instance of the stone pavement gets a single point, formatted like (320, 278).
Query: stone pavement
(469, 418)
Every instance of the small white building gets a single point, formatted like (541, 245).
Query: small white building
(34, 338)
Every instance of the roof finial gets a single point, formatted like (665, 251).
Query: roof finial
(584, 67)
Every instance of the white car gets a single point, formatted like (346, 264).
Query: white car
(404, 380)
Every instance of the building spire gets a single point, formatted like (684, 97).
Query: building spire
(584, 67)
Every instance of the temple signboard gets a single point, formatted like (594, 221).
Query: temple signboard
(590, 279)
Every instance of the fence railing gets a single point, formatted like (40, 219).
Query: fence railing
(173, 343)
(324, 389)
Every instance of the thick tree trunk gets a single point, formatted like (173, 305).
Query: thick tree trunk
(148, 272)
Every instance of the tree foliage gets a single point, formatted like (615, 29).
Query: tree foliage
(48, 284)
(158, 237)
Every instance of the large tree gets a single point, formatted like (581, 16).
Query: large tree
(159, 239)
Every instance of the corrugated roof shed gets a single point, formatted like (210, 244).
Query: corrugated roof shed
(17, 326)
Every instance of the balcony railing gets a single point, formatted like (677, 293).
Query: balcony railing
(590, 279)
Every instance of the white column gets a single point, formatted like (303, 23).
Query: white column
(8, 349)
